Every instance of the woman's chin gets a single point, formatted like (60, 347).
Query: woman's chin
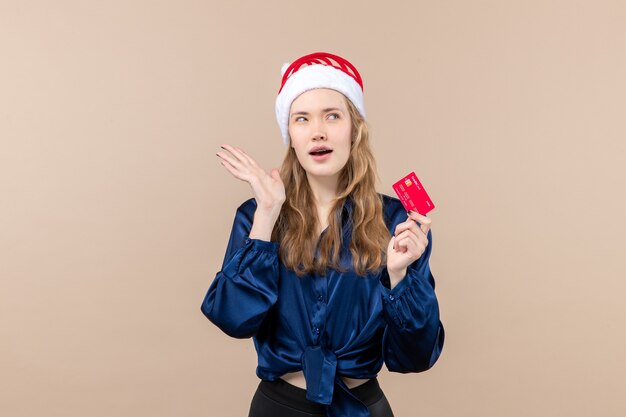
(322, 174)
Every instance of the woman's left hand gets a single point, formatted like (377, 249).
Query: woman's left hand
(407, 245)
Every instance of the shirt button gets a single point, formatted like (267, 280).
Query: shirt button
(320, 297)
(391, 297)
(316, 330)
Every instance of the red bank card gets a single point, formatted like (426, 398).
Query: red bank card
(412, 195)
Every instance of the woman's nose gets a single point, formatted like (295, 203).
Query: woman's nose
(318, 131)
(319, 136)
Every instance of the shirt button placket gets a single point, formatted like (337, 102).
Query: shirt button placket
(316, 334)
(319, 318)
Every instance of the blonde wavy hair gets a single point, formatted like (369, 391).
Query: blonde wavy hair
(295, 228)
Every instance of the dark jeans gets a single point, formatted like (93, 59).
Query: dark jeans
(282, 399)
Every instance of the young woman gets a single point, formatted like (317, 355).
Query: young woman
(329, 277)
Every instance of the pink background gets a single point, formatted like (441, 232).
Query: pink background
(115, 213)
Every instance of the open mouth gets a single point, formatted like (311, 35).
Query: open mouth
(321, 152)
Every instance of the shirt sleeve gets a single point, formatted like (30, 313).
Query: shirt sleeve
(414, 335)
(246, 287)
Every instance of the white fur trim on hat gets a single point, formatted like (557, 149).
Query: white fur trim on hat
(309, 78)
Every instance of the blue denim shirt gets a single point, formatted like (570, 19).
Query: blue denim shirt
(328, 326)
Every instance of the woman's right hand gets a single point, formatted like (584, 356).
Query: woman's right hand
(269, 190)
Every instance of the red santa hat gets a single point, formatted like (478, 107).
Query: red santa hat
(316, 70)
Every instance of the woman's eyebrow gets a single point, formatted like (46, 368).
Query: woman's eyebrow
(326, 110)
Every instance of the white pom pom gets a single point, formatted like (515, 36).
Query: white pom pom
(284, 68)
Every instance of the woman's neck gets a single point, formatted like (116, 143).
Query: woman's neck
(324, 190)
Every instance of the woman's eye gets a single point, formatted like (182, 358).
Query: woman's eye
(301, 118)
(334, 116)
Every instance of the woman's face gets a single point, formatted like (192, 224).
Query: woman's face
(320, 118)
